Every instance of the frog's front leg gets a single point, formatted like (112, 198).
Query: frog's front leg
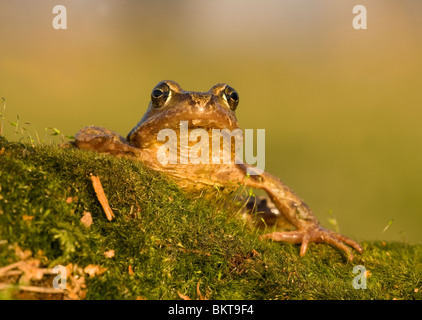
(104, 141)
(296, 212)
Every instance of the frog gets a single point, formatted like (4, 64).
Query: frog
(215, 109)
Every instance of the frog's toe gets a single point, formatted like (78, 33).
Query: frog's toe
(315, 234)
(322, 235)
(348, 241)
(331, 239)
(337, 240)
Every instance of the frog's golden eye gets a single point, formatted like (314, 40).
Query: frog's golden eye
(160, 95)
(231, 96)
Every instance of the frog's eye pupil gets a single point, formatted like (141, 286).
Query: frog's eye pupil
(157, 93)
(234, 96)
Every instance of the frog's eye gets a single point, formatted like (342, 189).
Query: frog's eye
(160, 95)
(231, 97)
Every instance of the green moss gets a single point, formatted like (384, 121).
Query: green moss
(171, 240)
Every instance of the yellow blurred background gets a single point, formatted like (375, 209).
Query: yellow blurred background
(342, 108)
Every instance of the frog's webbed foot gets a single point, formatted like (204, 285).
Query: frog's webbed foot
(315, 233)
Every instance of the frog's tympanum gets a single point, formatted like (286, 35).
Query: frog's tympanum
(214, 109)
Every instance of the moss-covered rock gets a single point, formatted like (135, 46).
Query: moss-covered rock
(165, 244)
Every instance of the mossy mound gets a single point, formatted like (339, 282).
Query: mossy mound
(164, 244)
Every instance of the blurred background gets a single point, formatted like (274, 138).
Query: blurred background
(342, 108)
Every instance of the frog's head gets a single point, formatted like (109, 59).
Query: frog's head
(170, 104)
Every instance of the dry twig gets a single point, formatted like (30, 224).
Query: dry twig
(96, 183)
(5, 286)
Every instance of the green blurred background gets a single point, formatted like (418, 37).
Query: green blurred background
(342, 108)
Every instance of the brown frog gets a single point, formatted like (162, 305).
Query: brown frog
(214, 109)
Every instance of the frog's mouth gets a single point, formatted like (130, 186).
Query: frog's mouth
(198, 117)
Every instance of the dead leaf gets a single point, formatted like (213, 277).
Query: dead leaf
(75, 284)
(76, 287)
(109, 254)
(87, 219)
(69, 200)
(94, 270)
(22, 254)
(31, 271)
(130, 270)
(27, 218)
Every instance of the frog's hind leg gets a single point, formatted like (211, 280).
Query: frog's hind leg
(297, 213)
(103, 140)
